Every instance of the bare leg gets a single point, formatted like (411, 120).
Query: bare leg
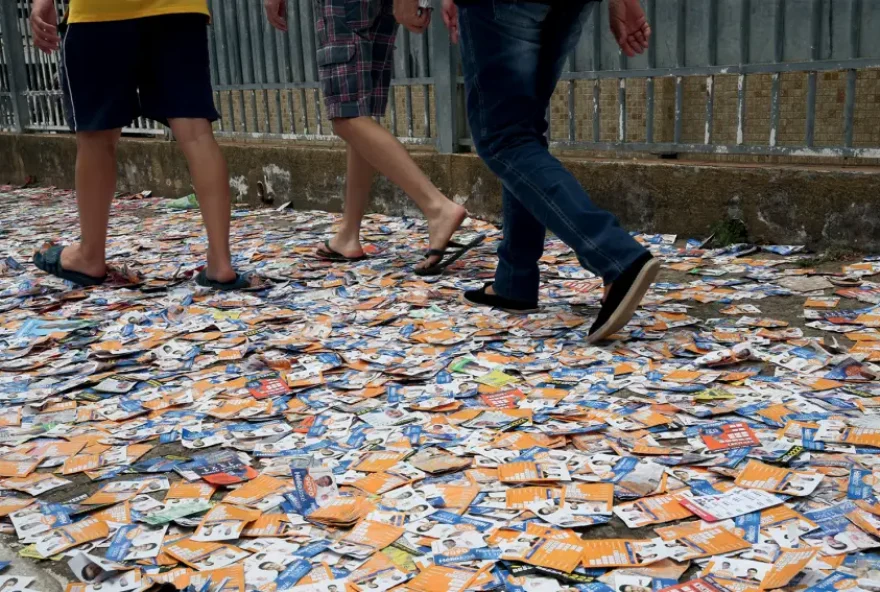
(95, 185)
(387, 155)
(358, 181)
(211, 181)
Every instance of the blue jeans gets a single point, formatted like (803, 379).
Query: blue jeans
(512, 57)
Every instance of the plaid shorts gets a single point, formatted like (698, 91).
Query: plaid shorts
(355, 50)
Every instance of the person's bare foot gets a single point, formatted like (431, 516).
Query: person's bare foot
(441, 227)
(222, 273)
(349, 247)
(72, 259)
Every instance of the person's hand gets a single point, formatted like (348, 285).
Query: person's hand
(276, 12)
(44, 25)
(629, 26)
(410, 15)
(450, 18)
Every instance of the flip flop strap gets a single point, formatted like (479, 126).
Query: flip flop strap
(52, 260)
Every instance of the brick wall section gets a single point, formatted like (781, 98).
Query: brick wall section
(830, 97)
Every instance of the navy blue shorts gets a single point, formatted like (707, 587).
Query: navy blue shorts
(156, 67)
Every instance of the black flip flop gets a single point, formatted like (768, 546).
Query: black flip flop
(454, 249)
(330, 254)
(49, 260)
(241, 282)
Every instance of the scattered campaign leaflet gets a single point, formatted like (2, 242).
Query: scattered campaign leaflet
(350, 427)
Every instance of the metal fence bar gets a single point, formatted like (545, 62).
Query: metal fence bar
(712, 51)
(680, 58)
(710, 108)
(849, 109)
(444, 68)
(15, 63)
(424, 71)
(812, 82)
(774, 109)
(649, 81)
(672, 147)
(266, 82)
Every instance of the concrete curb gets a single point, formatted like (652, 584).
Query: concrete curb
(819, 206)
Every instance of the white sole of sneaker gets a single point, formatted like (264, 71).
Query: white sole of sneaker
(527, 311)
(630, 302)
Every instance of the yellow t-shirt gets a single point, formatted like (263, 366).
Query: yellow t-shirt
(92, 11)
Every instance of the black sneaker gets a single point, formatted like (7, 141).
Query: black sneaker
(624, 297)
(481, 298)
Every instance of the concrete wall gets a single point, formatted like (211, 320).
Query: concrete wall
(782, 204)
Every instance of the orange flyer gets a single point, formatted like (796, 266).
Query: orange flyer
(71, 535)
(380, 482)
(564, 555)
(520, 498)
(16, 465)
(714, 541)
(120, 513)
(528, 471)
(375, 462)
(653, 510)
(13, 504)
(599, 495)
(438, 577)
(268, 525)
(114, 493)
(757, 475)
(184, 490)
(736, 434)
(670, 533)
(255, 490)
(374, 534)
(610, 553)
(789, 564)
(233, 576)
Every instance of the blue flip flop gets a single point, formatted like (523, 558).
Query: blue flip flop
(454, 250)
(241, 282)
(49, 260)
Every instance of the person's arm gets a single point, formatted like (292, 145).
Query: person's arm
(629, 26)
(409, 14)
(44, 25)
(276, 12)
(450, 18)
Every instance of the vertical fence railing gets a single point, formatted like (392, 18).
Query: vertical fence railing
(719, 77)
